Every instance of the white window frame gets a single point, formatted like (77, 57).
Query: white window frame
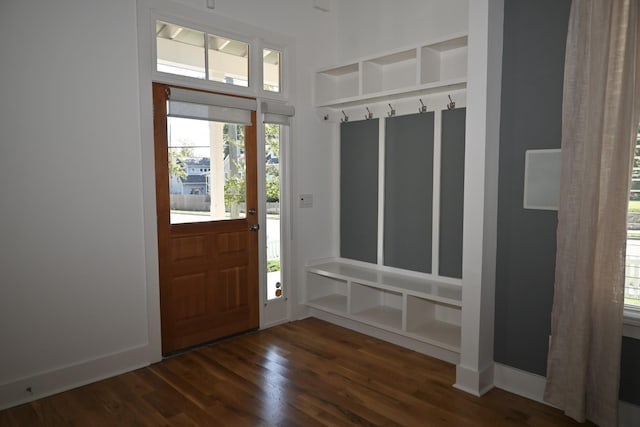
(255, 38)
(281, 68)
(208, 21)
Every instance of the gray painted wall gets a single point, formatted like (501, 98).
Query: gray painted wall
(452, 192)
(359, 190)
(533, 65)
(408, 197)
(533, 61)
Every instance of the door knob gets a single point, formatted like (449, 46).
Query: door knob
(254, 227)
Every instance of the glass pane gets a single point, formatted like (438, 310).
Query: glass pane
(180, 50)
(206, 170)
(228, 61)
(632, 269)
(272, 179)
(271, 70)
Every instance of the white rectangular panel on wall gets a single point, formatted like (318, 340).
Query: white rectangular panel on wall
(542, 179)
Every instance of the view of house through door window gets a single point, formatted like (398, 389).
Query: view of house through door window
(273, 187)
(206, 170)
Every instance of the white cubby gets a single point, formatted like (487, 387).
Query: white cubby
(410, 304)
(395, 71)
(445, 61)
(327, 294)
(433, 322)
(432, 67)
(337, 83)
(376, 306)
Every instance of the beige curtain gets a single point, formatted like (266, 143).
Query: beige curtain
(600, 119)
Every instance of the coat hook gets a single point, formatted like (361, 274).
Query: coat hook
(392, 112)
(369, 114)
(345, 118)
(423, 108)
(451, 105)
(326, 117)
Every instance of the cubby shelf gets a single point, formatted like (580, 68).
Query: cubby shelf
(409, 304)
(425, 69)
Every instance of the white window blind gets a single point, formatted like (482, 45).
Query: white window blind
(277, 113)
(192, 104)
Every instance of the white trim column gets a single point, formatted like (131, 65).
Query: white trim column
(474, 373)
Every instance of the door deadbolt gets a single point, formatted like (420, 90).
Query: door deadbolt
(252, 211)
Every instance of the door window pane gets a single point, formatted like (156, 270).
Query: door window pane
(180, 50)
(271, 70)
(228, 61)
(272, 180)
(207, 170)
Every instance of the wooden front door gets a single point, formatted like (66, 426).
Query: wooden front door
(207, 241)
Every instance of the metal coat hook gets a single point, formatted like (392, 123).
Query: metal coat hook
(369, 114)
(451, 105)
(392, 112)
(326, 117)
(345, 118)
(423, 108)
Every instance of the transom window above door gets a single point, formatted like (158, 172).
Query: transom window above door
(201, 55)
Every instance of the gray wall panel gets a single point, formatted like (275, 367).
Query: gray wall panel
(408, 197)
(452, 192)
(531, 118)
(359, 190)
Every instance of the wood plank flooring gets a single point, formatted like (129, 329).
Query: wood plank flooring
(305, 373)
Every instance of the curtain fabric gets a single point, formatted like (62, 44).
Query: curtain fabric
(600, 119)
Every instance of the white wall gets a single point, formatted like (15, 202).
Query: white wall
(73, 299)
(372, 26)
(75, 218)
(72, 253)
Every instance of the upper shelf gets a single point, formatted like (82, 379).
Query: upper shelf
(420, 70)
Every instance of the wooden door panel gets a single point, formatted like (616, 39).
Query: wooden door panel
(188, 248)
(208, 270)
(231, 292)
(231, 244)
(189, 296)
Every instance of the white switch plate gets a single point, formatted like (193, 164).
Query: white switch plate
(305, 200)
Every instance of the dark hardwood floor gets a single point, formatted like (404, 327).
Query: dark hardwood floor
(305, 373)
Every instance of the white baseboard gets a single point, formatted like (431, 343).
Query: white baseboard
(474, 382)
(520, 382)
(532, 386)
(58, 380)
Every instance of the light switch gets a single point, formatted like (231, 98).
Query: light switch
(305, 200)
